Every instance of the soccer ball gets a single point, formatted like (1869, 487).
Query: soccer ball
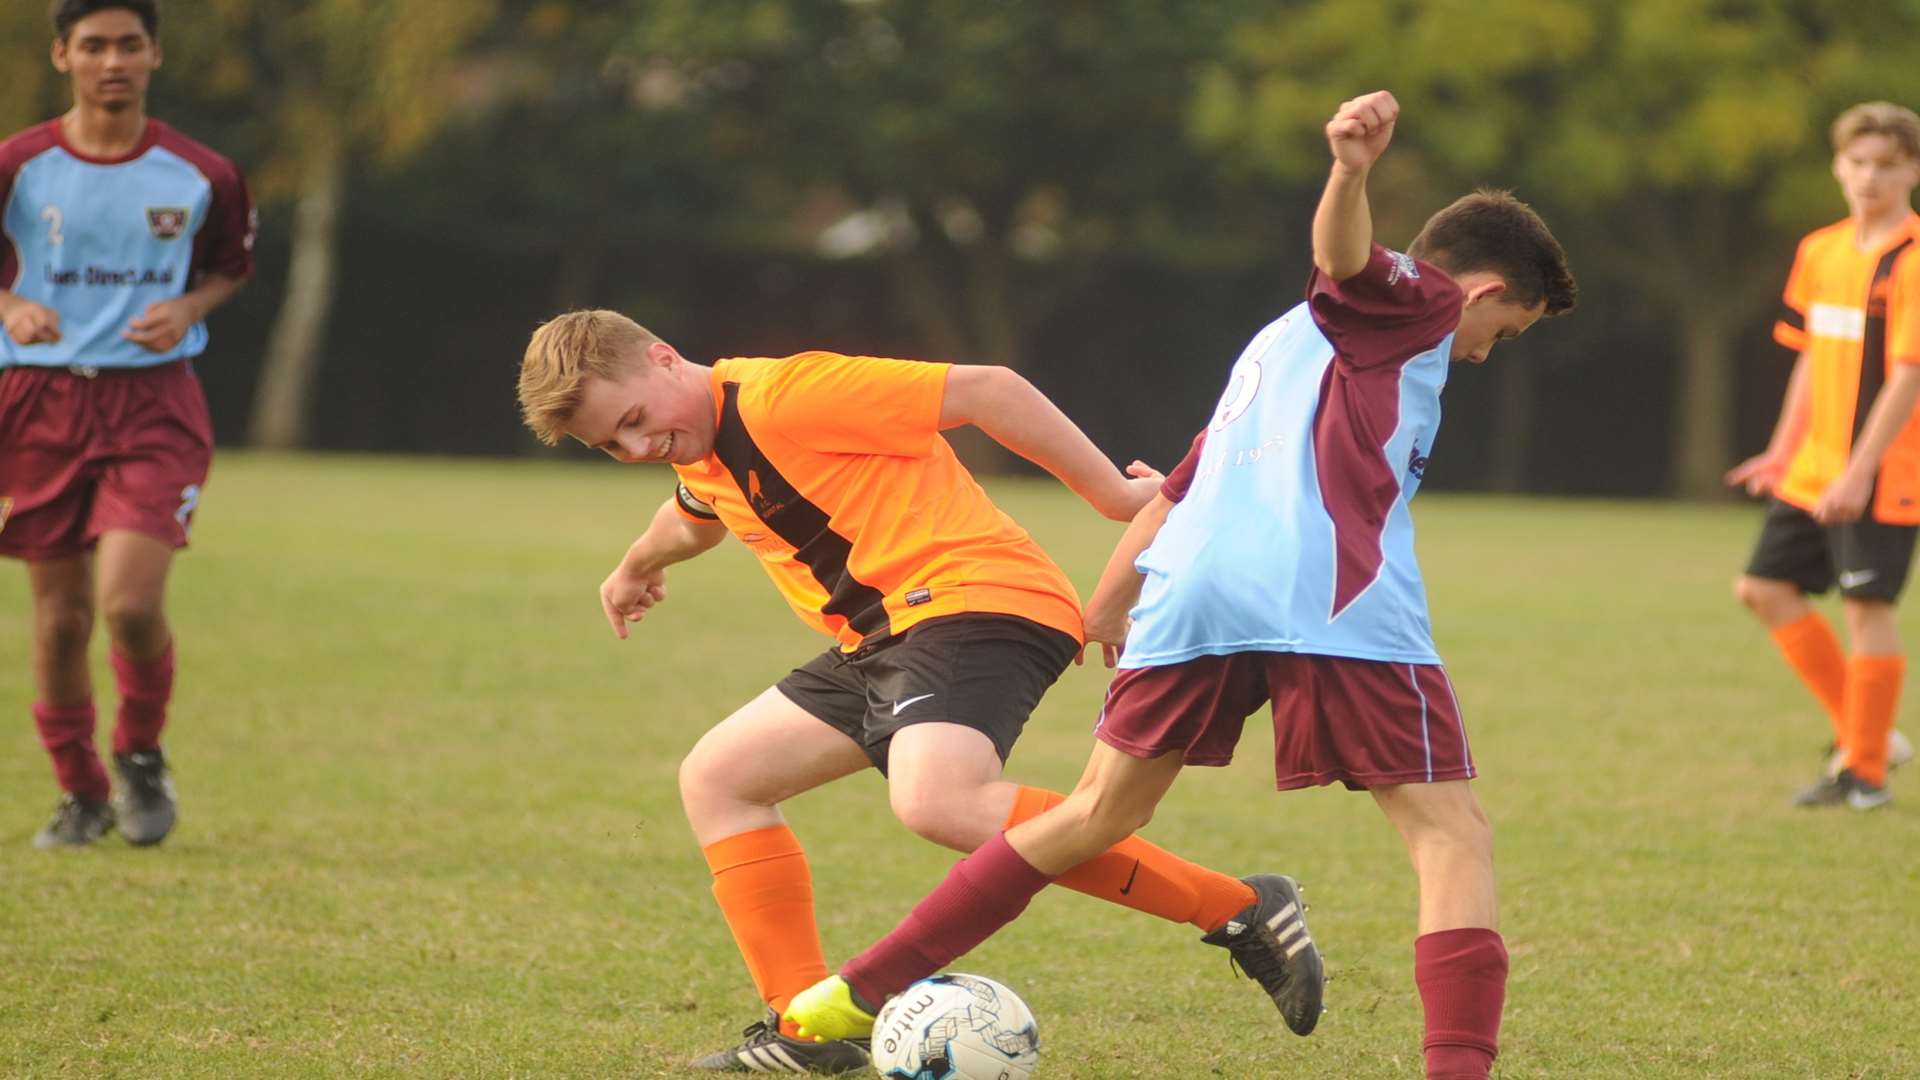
(955, 1027)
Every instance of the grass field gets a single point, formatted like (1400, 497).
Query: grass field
(429, 823)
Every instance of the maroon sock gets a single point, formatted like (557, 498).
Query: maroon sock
(983, 892)
(1462, 975)
(145, 688)
(67, 733)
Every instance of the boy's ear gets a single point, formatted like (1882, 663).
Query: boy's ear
(661, 354)
(1490, 289)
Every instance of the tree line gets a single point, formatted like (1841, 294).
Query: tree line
(1106, 195)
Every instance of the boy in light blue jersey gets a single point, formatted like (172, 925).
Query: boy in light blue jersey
(120, 235)
(1278, 565)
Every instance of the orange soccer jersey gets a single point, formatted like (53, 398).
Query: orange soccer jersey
(832, 470)
(1855, 314)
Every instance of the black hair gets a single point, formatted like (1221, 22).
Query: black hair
(67, 12)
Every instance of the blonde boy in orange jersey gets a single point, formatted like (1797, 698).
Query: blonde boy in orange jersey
(1843, 466)
(949, 621)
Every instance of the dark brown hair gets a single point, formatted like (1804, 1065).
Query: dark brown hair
(1494, 232)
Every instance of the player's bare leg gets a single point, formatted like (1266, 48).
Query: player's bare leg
(1115, 798)
(1450, 842)
(732, 784)
(1775, 603)
(64, 713)
(62, 625)
(132, 571)
(945, 783)
(1460, 962)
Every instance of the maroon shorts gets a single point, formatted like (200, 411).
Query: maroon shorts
(1364, 723)
(123, 448)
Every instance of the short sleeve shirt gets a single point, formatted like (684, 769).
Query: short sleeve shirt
(1291, 531)
(98, 240)
(1856, 315)
(833, 471)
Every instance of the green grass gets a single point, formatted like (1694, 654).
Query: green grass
(430, 826)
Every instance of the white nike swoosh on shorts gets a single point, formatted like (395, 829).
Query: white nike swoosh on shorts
(898, 705)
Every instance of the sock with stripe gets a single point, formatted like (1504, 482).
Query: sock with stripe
(982, 893)
(1462, 976)
(1812, 650)
(67, 733)
(145, 688)
(765, 890)
(1144, 876)
(1873, 694)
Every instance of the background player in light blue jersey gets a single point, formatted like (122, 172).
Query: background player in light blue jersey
(1277, 564)
(120, 235)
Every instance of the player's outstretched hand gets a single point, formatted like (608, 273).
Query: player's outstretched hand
(1143, 483)
(1759, 474)
(625, 596)
(1360, 131)
(162, 325)
(29, 323)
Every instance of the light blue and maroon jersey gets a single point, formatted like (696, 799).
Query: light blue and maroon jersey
(98, 240)
(1291, 531)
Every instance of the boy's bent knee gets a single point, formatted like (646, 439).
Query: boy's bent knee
(704, 776)
(960, 820)
(1773, 601)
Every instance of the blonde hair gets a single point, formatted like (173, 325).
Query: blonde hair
(564, 353)
(1879, 118)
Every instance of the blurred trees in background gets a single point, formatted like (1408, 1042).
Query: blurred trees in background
(1109, 195)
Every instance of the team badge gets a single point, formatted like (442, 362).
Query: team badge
(6, 507)
(166, 222)
(1401, 266)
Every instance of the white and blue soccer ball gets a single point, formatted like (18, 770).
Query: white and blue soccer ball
(956, 1027)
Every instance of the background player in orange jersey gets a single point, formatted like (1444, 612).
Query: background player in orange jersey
(1843, 466)
(950, 621)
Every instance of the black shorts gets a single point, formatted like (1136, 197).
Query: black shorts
(985, 672)
(1866, 558)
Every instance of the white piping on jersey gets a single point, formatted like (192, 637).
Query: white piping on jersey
(1413, 677)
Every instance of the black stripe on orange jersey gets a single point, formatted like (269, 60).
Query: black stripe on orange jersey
(776, 502)
(692, 505)
(1873, 341)
(1792, 318)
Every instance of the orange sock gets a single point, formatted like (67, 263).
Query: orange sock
(1873, 693)
(766, 892)
(1813, 652)
(1139, 875)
